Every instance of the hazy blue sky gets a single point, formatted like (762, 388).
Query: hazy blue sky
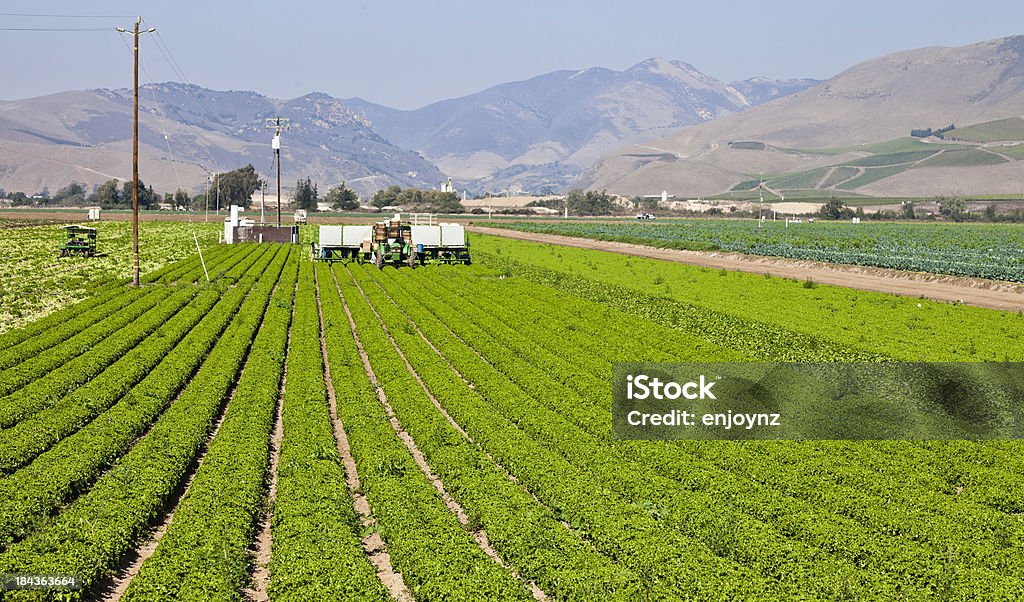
(407, 54)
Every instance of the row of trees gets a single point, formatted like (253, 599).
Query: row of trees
(431, 200)
(338, 197)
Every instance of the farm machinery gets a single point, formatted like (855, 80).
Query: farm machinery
(394, 242)
(81, 240)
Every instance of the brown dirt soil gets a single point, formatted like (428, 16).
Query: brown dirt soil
(990, 294)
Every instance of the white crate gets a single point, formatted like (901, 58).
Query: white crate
(355, 235)
(428, 236)
(330, 236)
(453, 235)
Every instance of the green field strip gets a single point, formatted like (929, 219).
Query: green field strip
(44, 392)
(803, 179)
(678, 562)
(316, 552)
(11, 338)
(984, 251)
(1015, 151)
(123, 502)
(968, 157)
(838, 176)
(874, 174)
(531, 373)
(526, 533)
(437, 557)
(758, 339)
(173, 271)
(31, 494)
(1011, 128)
(67, 327)
(75, 344)
(204, 552)
(892, 159)
(900, 328)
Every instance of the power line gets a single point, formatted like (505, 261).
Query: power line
(66, 16)
(54, 29)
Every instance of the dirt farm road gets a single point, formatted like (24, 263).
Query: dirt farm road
(991, 294)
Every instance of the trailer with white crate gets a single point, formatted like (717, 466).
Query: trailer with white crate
(394, 242)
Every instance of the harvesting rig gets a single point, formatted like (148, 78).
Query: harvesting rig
(394, 242)
(81, 240)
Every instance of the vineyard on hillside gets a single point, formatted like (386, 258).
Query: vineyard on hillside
(978, 250)
(301, 431)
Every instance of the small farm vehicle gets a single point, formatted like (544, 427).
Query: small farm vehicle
(81, 240)
(394, 242)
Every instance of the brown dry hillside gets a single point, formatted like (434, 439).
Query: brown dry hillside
(873, 102)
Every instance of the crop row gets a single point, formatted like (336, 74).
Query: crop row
(438, 559)
(31, 494)
(316, 554)
(173, 272)
(204, 553)
(129, 495)
(535, 418)
(62, 381)
(526, 533)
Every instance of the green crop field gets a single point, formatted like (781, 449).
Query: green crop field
(36, 281)
(991, 131)
(979, 250)
(970, 157)
(278, 427)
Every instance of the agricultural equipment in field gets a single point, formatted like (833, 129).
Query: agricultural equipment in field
(81, 240)
(394, 242)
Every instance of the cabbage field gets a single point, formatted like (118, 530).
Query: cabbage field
(994, 251)
(296, 430)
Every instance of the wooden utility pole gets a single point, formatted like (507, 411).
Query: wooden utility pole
(278, 125)
(135, 154)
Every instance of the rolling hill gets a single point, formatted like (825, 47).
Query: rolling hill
(852, 133)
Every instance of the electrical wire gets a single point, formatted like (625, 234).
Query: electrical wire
(160, 115)
(66, 16)
(58, 29)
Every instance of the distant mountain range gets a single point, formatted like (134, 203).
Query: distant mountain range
(187, 132)
(536, 134)
(659, 125)
(543, 131)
